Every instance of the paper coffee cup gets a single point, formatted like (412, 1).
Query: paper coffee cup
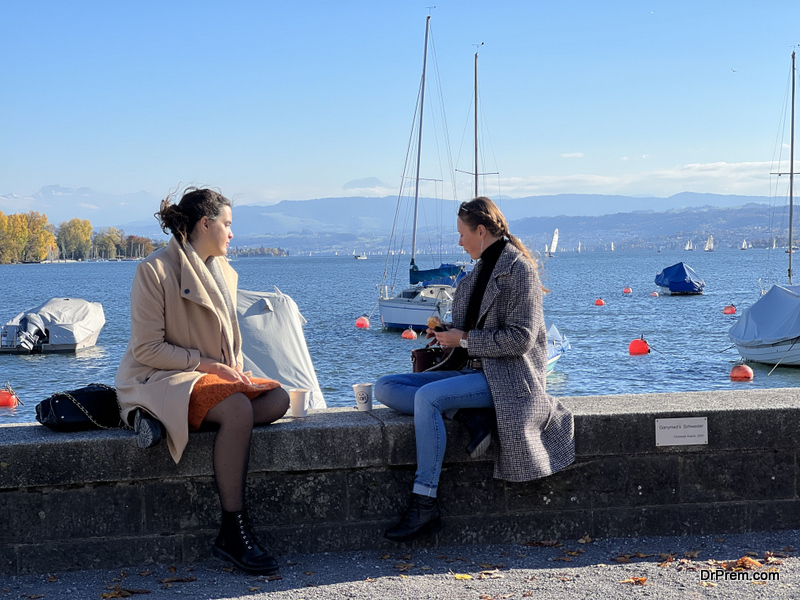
(299, 399)
(363, 392)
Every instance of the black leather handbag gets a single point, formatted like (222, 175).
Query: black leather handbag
(93, 406)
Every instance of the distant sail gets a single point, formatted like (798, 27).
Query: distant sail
(553, 244)
(709, 244)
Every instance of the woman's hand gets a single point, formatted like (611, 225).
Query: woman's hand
(448, 339)
(221, 370)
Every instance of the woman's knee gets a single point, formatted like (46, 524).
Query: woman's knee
(280, 398)
(236, 409)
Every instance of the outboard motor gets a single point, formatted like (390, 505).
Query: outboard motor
(31, 331)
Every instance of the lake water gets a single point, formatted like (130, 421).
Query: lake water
(688, 335)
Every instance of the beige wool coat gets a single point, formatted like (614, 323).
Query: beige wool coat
(178, 315)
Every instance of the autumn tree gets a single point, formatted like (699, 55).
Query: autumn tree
(13, 237)
(40, 239)
(74, 238)
(136, 246)
(106, 241)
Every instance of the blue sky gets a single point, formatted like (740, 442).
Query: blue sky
(279, 100)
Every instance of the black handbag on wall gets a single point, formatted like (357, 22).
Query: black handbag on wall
(93, 406)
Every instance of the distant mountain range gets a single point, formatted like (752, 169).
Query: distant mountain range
(364, 224)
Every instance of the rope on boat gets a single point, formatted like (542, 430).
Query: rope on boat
(784, 356)
(726, 349)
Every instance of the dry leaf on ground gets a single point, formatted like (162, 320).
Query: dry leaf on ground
(461, 575)
(585, 539)
(178, 579)
(692, 553)
(635, 580)
(642, 555)
(708, 584)
(743, 563)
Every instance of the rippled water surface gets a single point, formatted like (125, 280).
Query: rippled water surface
(688, 334)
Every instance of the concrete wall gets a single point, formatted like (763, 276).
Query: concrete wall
(335, 480)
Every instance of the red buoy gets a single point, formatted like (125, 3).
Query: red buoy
(729, 310)
(638, 347)
(409, 334)
(599, 302)
(8, 397)
(741, 373)
(362, 322)
(654, 294)
(627, 290)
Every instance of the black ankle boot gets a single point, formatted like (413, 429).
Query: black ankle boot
(479, 423)
(420, 518)
(237, 544)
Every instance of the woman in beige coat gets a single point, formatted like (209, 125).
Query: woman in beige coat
(183, 363)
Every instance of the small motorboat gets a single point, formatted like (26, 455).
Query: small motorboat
(58, 325)
(680, 279)
(557, 344)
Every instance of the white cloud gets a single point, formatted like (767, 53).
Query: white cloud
(87, 205)
(572, 155)
(747, 178)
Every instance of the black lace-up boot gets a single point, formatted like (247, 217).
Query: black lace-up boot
(479, 423)
(237, 544)
(420, 518)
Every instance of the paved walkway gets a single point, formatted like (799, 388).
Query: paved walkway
(609, 569)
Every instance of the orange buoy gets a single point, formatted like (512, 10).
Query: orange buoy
(638, 347)
(409, 334)
(654, 294)
(741, 373)
(8, 397)
(627, 290)
(362, 322)
(729, 310)
(599, 302)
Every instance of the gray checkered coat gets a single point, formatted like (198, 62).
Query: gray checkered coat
(535, 429)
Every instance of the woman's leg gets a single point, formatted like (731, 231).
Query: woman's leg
(234, 415)
(470, 390)
(397, 391)
(270, 406)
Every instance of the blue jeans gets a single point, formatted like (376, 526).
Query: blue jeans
(427, 396)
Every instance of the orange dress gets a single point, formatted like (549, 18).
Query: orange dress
(210, 390)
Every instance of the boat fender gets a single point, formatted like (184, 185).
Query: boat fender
(654, 294)
(409, 334)
(638, 347)
(8, 397)
(599, 302)
(627, 290)
(729, 310)
(362, 322)
(741, 373)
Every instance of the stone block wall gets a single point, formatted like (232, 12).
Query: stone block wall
(337, 479)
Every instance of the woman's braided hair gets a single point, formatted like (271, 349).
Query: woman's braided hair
(482, 211)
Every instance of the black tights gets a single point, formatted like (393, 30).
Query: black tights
(236, 416)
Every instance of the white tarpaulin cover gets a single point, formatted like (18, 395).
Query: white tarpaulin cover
(774, 318)
(273, 343)
(68, 320)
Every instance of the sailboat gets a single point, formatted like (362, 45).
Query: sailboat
(553, 245)
(709, 247)
(579, 247)
(744, 245)
(769, 331)
(430, 291)
(689, 245)
(612, 246)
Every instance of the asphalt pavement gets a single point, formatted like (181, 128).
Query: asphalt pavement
(753, 565)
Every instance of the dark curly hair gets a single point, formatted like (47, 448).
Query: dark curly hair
(180, 218)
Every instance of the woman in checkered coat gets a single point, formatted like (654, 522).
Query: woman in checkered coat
(497, 317)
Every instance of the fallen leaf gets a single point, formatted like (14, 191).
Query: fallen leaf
(253, 589)
(442, 557)
(527, 594)
(641, 555)
(622, 558)
(493, 574)
(385, 557)
(308, 573)
(564, 558)
(424, 568)
(574, 552)
(172, 569)
(743, 563)
(692, 553)
(461, 575)
(178, 579)
(758, 582)
(585, 539)
(668, 557)
(228, 569)
(116, 579)
(599, 565)
(708, 584)
(563, 578)
(404, 566)
(485, 597)
(403, 576)
(369, 579)
(485, 566)
(274, 578)
(500, 566)
(521, 555)
(123, 574)
(771, 560)
(145, 573)
(291, 563)
(635, 580)
(544, 543)
(720, 541)
(52, 578)
(406, 557)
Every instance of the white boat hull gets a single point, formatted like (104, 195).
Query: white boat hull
(787, 353)
(414, 306)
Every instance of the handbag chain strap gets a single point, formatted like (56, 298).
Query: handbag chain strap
(86, 412)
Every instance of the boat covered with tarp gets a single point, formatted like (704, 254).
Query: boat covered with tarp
(58, 325)
(769, 331)
(679, 279)
(273, 343)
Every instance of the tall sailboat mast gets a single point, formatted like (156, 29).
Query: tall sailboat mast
(476, 124)
(419, 141)
(791, 177)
